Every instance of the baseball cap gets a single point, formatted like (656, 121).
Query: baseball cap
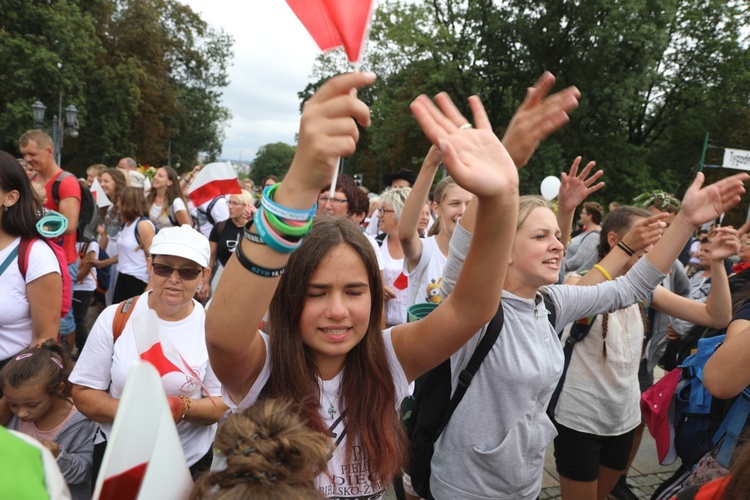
(182, 241)
(656, 407)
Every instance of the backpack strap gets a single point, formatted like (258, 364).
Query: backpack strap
(172, 216)
(467, 374)
(8, 260)
(578, 332)
(122, 315)
(24, 248)
(135, 231)
(56, 186)
(209, 208)
(731, 428)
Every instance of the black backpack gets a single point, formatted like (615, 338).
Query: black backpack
(88, 213)
(434, 406)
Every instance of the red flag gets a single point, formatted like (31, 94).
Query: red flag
(215, 179)
(402, 282)
(352, 19)
(333, 23)
(315, 18)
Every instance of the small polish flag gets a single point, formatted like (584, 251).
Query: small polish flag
(101, 198)
(215, 179)
(144, 457)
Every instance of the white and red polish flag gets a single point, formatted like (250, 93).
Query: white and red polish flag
(215, 179)
(144, 457)
(100, 197)
(336, 23)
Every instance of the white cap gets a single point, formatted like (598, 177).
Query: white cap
(182, 241)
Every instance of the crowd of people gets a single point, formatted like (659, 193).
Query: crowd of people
(291, 305)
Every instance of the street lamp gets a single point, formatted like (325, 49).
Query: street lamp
(59, 127)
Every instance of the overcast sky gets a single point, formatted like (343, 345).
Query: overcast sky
(273, 58)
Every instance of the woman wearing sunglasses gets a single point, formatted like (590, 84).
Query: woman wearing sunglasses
(178, 267)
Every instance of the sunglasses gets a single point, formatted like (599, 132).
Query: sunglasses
(166, 271)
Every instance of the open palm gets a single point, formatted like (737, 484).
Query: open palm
(702, 204)
(475, 157)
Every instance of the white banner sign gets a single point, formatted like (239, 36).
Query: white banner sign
(736, 158)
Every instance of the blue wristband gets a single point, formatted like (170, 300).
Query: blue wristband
(268, 238)
(285, 213)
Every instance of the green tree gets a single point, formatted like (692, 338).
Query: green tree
(655, 75)
(143, 73)
(272, 159)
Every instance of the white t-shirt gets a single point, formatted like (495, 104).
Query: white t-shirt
(376, 247)
(161, 220)
(427, 276)
(131, 258)
(599, 396)
(15, 313)
(395, 279)
(89, 282)
(219, 212)
(349, 479)
(104, 365)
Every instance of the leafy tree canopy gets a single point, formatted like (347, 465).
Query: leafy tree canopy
(142, 73)
(655, 76)
(272, 159)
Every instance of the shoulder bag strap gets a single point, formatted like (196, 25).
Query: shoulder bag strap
(124, 310)
(9, 259)
(467, 374)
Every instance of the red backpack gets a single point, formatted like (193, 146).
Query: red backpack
(67, 283)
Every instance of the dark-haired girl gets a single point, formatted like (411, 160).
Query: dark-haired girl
(30, 306)
(35, 385)
(325, 349)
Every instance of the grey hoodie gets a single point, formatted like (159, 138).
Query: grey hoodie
(493, 446)
(76, 441)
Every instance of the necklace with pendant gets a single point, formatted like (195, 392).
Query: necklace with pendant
(331, 410)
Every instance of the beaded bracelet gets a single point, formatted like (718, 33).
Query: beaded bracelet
(186, 404)
(285, 228)
(255, 268)
(253, 237)
(285, 213)
(270, 237)
(622, 246)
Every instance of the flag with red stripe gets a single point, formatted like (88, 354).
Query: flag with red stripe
(215, 179)
(144, 457)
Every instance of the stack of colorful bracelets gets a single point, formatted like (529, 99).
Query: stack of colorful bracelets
(281, 228)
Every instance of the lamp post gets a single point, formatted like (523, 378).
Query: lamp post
(60, 127)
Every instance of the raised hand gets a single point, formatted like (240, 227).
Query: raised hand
(327, 130)
(538, 117)
(645, 232)
(475, 157)
(576, 187)
(705, 203)
(724, 242)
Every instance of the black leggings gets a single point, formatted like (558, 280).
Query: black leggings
(127, 286)
(81, 301)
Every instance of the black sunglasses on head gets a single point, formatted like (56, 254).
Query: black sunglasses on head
(166, 271)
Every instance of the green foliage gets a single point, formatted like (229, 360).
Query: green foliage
(272, 159)
(142, 73)
(655, 76)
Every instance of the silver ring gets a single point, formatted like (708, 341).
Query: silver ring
(465, 126)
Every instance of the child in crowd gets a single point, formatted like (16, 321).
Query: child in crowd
(270, 453)
(36, 388)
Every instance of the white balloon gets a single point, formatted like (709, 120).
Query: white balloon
(550, 187)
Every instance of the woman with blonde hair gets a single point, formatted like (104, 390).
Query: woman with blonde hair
(226, 235)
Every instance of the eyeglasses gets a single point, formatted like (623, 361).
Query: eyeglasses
(235, 203)
(334, 201)
(166, 271)
(382, 211)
